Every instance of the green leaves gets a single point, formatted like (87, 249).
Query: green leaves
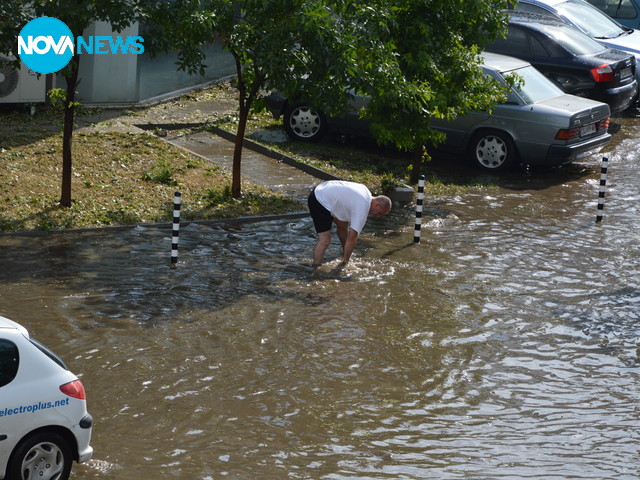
(429, 53)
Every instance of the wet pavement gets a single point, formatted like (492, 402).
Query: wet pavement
(259, 166)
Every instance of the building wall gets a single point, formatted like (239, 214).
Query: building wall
(131, 78)
(109, 78)
(160, 75)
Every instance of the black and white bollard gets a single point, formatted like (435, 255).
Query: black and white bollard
(603, 188)
(416, 232)
(177, 200)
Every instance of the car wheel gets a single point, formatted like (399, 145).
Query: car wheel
(43, 456)
(493, 150)
(303, 123)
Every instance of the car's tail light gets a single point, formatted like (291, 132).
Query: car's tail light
(74, 389)
(603, 73)
(603, 124)
(568, 133)
(577, 132)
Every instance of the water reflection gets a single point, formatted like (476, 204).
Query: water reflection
(505, 345)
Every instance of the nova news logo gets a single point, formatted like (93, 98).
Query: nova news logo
(46, 45)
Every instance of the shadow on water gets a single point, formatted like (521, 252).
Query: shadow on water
(452, 171)
(129, 273)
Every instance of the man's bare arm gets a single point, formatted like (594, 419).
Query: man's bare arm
(349, 245)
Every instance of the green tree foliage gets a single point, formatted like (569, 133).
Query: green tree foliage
(78, 15)
(13, 16)
(429, 67)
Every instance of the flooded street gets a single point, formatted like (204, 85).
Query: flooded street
(506, 345)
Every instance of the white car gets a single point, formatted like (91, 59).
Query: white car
(44, 423)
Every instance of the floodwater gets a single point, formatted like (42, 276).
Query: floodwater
(505, 345)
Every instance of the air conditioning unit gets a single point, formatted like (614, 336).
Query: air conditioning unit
(20, 85)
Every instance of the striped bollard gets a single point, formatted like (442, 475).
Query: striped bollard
(603, 188)
(177, 200)
(416, 232)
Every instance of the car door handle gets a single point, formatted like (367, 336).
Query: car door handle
(3, 437)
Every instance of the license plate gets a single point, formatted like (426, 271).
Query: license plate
(625, 72)
(587, 130)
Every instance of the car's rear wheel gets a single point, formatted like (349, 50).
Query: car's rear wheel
(304, 123)
(43, 456)
(492, 150)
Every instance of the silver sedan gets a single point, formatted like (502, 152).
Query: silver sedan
(538, 124)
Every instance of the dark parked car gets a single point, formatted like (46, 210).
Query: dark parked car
(589, 20)
(574, 61)
(538, 124)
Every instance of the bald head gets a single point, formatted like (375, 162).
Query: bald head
(380, 205)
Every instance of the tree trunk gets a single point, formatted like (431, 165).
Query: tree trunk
(236, 191)
(67, 135)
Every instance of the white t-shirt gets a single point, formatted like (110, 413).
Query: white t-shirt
(347, 201)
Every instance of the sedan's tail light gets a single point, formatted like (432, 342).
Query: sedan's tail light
(74, 389)
(568, 133)
(603, 123)
(603, 73)
(577, 132)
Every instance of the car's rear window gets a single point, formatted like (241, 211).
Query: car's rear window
(9, 361)
(574, 40)
(532, 86)
(48, 353)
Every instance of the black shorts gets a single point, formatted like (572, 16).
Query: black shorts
(322, 217)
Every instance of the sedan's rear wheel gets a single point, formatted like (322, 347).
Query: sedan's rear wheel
(493, 150)
(43, 456)
(304, 123)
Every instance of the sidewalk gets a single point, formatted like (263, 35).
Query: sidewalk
(259, 165)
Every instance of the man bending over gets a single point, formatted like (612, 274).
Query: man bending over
(347, 204)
